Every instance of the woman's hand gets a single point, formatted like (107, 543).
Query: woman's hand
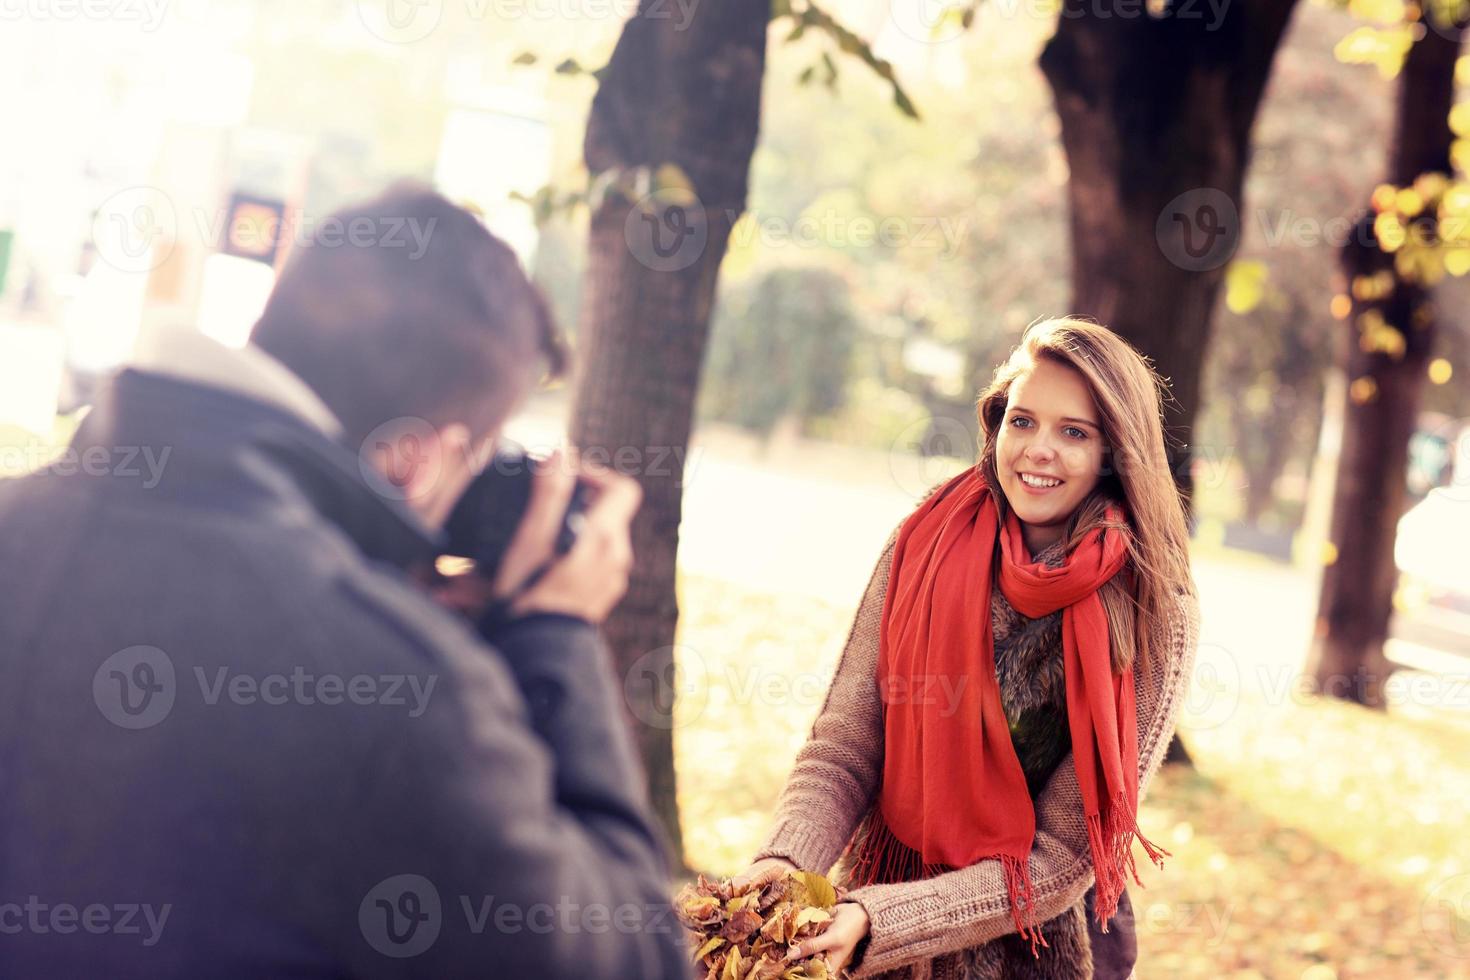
(839, 940)
(762, 873)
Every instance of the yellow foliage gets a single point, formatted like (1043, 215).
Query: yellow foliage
(1380, 11)
(1460, 155)
(1384, 196)
(1382, 339)
(1245, 285)
(1389, 231)
(1457, 261)
(1431, 186)
(1460, 120)
(1382, 47)
(1377, 286)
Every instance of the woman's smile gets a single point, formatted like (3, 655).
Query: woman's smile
(1039, 484)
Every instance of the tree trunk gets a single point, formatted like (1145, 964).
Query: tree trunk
(1156, 116)
(1382, 399)
(686, 94)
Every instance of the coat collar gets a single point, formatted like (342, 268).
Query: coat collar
(233, 454)
(188, 355)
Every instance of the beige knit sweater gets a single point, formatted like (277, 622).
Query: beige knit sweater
(917, 925)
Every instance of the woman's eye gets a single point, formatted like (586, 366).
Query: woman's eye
(1072, 431)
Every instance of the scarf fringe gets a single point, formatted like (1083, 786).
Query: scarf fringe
(1018, 884)
(877, 856)
(1111, 841)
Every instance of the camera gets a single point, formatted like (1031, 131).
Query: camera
(486, 517)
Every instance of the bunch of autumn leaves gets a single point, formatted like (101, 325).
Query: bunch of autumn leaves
(744, 934)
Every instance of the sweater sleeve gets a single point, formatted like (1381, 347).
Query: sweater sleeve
(915, 921)
(837, 771)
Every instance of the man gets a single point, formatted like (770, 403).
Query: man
(238, 738)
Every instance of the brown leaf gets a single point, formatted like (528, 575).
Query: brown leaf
(697, 911)
(742, 923)
(775, 891)
(777, 923)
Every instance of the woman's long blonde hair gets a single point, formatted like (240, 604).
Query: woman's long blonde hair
(1129, 395)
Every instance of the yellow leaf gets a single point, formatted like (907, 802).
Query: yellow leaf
(732, 965)
(809, 915)
(813, 889)
(709, 947)
(813, 969)
(742, 901)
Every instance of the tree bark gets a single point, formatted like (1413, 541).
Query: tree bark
(1156, 116)
(673, 93)
(1382, 400)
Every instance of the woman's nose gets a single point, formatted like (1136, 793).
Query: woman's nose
(1040, 452)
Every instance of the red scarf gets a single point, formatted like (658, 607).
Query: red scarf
(953, 791)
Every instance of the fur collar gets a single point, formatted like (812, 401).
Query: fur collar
(1028, 652)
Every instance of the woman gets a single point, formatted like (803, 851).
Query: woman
(1008, 689)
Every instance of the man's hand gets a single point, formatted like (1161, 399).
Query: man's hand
(589, 580)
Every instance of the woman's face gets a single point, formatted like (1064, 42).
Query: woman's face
(1050, 430)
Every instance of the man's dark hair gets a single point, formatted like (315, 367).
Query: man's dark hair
(406, 306)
